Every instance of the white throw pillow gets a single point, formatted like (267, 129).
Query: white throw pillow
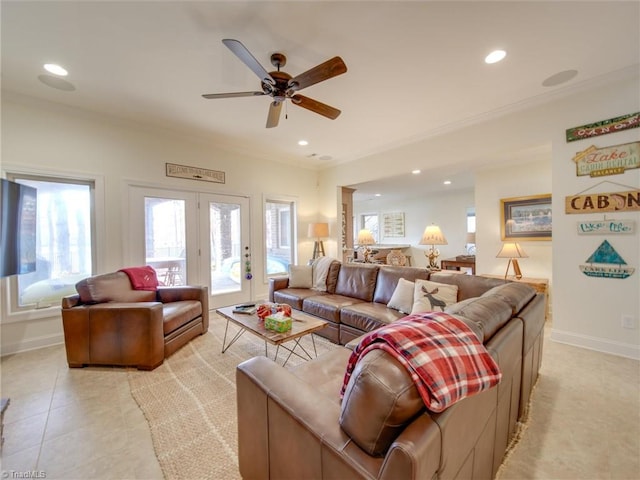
(402, 298)
(433, 297)
(300, 276)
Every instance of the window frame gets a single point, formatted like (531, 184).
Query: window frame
(11, 311)
(292, 202)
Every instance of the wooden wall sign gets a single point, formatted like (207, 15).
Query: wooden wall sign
(605, 262)
(628, 201)
(194, 173)
(606, 227)
(611, 125)
(613, 160)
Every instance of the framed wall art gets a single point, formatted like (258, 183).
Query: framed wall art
(526, 218)
(393, 224)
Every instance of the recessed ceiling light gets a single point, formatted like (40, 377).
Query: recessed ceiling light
(55, 69)
(495, 56)
(415, 172)
(447, 182)
(303, 143)
(378, 194)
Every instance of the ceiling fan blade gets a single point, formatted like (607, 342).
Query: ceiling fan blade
(274, 114)
(249, 60)
(316, 106)
(232, 95)
(329, 69)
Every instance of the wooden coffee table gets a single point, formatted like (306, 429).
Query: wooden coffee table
(302, 325)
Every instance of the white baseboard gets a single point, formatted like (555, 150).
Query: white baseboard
(598, 344)
(32, 344)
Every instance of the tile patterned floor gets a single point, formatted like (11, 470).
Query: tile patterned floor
(84, 424)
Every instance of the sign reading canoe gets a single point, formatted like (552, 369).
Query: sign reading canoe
(628, 201)
(613, 160)
(611, 125)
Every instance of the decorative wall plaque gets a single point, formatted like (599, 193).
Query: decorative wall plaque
(195, 173)
(606, 227)
(605, 262)
(393, 224)
(628, 201)
(611, 125)
(613, 160)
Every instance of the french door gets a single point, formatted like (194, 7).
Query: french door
(193, 238)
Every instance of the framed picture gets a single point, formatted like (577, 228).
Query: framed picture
(393, 224)
(526, 218)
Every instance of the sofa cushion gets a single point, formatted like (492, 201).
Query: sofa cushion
(402, 298)
(111, 287)
(327, 306)
(300, 276)
(430, 296)
(388, 277)
(488, 313)
(367, 316)
(294, 297)
(176, 314)
(469, 286)
(378, 403)
(357, 281)
(517, 295)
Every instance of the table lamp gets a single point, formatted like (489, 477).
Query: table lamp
(365, 238)
(318, 231)
(512, 251)
(433, 236)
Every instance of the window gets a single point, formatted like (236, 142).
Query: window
(471, 231)
(64, 242)
(370, 222)
(279, 235)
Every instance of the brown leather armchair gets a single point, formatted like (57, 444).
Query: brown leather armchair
(109, 323)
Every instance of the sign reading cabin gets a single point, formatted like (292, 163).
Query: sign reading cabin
(613, 160)
(628, 201)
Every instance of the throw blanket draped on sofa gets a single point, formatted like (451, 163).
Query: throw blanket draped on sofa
(441, 353)
(142, 278)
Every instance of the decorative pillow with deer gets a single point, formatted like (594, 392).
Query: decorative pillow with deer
(432, 296)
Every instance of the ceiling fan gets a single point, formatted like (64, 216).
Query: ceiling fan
(281, 85)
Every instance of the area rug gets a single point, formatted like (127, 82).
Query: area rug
(190, 402)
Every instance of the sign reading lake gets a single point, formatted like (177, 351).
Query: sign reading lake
(613, 160)
(605, 262)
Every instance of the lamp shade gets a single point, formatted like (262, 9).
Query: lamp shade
(511, 250)
(365, 237)
(318, 230)
(433, 236)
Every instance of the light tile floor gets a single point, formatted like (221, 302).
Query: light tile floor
(84, 424)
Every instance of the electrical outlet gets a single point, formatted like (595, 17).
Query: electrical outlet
(628, 322)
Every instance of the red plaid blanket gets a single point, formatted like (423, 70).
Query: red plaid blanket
(442, 354)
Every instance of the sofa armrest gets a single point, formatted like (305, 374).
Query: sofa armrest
(287, 429)
(176, 294)
(277, 283)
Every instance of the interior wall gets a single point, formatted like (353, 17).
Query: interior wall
(43, 136)
(509, 181)
(447, 210)
(586, 311)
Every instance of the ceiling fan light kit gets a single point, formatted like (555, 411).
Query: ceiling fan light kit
(282, 86)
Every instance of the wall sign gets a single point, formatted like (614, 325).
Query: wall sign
(194, 173)
(628, 201)
(393, 224)
(613, 160)
(605, 262)
(606, 227)
(611, 125)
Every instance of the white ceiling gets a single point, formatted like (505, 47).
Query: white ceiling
(414, 67)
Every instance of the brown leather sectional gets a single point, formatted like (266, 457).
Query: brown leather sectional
(292, 424)
(109, 323)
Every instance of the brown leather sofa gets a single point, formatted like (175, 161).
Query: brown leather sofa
(292, 424)
(109, 323)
